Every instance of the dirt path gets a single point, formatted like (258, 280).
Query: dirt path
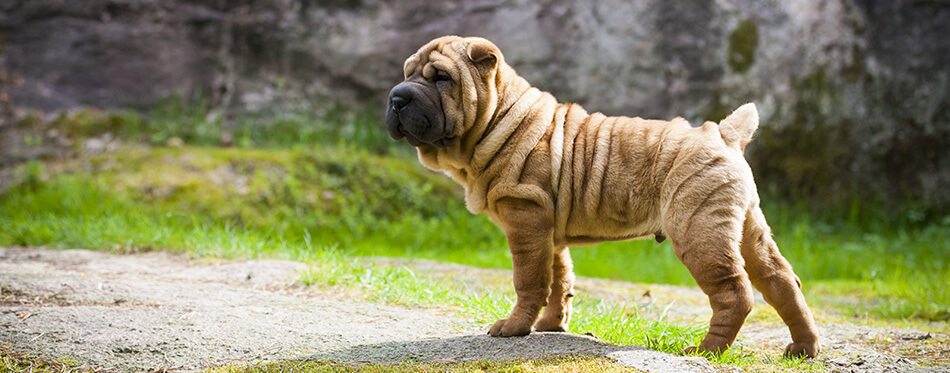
(163, 311)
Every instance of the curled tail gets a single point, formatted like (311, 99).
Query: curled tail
(738, 127)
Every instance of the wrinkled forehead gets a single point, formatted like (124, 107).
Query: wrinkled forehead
(437, 54)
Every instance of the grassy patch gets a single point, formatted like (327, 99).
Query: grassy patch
(614, 322)
(11, 361)
(620, 323)
(281, 202)
(887, 302)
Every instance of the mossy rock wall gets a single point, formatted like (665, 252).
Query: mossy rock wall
(853, 94)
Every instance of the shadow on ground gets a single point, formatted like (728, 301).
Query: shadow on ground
(535, 345)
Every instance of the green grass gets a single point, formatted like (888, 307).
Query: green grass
(341, 197)
(11, 361)
(266, 202)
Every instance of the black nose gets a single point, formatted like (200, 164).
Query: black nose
(400, 96)
(399, 102)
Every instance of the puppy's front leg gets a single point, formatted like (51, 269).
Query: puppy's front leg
(557, 312)
(529, 229)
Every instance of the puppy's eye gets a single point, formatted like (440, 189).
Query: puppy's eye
(442, 76)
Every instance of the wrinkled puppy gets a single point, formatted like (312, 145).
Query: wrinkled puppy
(552, 175)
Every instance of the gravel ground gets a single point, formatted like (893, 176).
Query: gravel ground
(163, 311)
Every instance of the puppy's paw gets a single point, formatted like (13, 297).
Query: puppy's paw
(799, 349)
(550, 325)
(506, 328)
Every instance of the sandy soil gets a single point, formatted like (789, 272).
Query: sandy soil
(163, 311)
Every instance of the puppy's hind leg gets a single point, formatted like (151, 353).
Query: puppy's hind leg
(706, 240)
(557, 312)
(773, 276)
(730, 296)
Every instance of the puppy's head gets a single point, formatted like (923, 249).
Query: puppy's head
(448, 85)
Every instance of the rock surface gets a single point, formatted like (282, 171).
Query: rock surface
(854, 94)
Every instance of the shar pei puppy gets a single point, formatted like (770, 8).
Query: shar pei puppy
(551, 175)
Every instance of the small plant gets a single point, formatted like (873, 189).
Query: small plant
(13, 361)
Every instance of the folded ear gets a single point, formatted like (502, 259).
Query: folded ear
(483, 53)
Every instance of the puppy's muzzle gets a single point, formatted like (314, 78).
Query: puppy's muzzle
(415, 112)
(399, 97)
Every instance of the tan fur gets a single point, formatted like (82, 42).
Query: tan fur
(552, 175)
